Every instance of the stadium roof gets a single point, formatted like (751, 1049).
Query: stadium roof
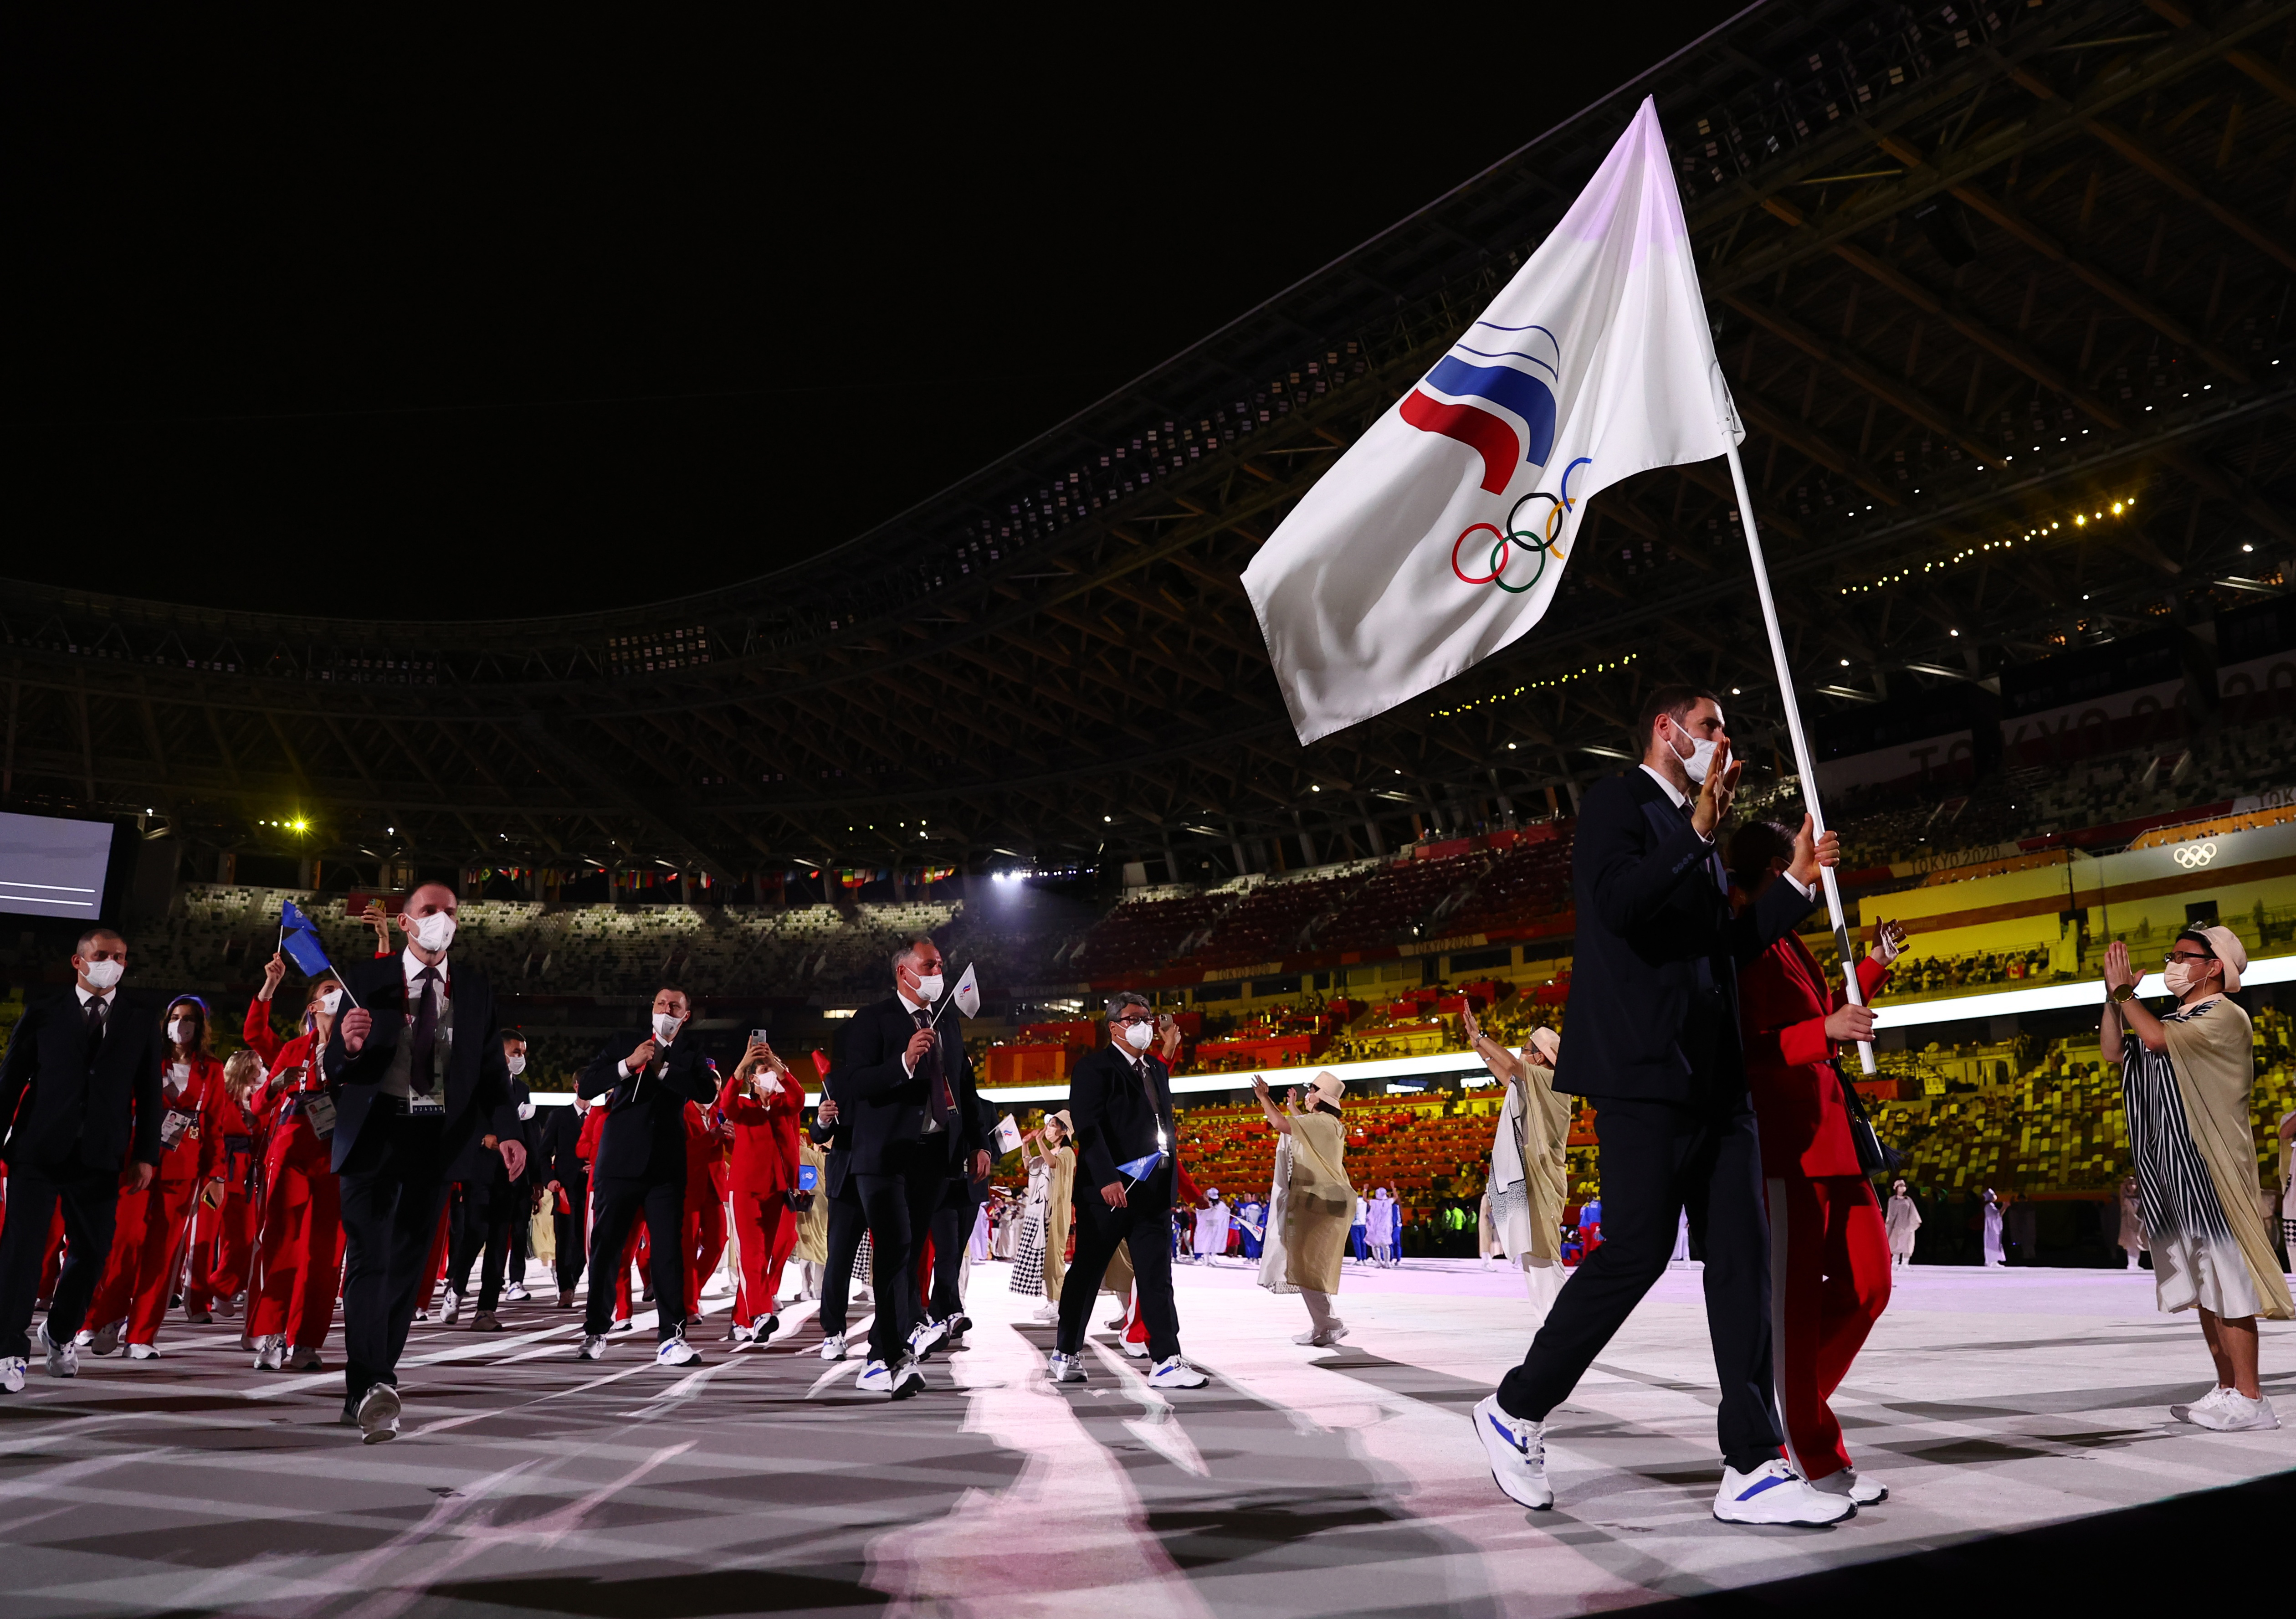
(1977, 271)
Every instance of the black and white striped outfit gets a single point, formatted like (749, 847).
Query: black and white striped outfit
(2195, 1258)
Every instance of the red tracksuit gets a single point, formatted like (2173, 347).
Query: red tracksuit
(764, 1175)
(1829, 1254)
(223, 1238)
(301, 1243)
(147, 1243)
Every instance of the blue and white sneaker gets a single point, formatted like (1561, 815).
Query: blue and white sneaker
(1173, 1372)
(925, 1336)
(876, 1378)
(1516, 1449)
(675, 1351)
(1775, 1493)
(1064, 1368)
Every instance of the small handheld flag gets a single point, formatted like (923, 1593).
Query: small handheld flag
(965, 997)
(1008, 1134)
(1140, 1169)
(298, 939)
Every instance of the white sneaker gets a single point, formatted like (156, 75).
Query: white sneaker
(2236, 1413)
(11, 1374)
(2215, 1396)
(1172, 1372)
(302, 1361)
(63, 1359)
(106, 1339)
(924, 1336)
(624, 1325)
(143, 1351)
(739, 1334)
(1516, 1450)
(832, 1346)
(1324, 1339)
(514, 1294)
(876, 1378)
(270, 1354)
(1863, 1488)
(1775, 1493)
(1064, 1368)
(1046, 1312)
(675, 1352)
(908, 1378)
(592, 1348)
(449, 1309)
(1135, 1347)
(378, 1415)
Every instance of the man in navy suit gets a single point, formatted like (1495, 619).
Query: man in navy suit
(79, 1100)
(905, 1083)
(847, 1223)
(416, 1073)
(1655, 1041)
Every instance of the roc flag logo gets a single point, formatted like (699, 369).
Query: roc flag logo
(1511, 426)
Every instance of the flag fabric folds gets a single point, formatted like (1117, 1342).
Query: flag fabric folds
(298, 937)
(1140, 1169)
(1442, 536)
(968, 993)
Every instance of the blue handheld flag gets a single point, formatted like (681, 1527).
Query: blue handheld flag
(1140, 1169)
(300, 941)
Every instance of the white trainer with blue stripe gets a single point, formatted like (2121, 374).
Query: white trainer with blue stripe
(1516, 1447)
(1775, 1493)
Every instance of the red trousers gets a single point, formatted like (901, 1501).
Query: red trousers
(767, 1228)
(223, 1250)
(301, 1245)
(705, 1245)
(147, 1246)
(1829, 1283)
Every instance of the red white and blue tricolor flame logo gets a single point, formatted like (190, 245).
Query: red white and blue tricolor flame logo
(1514, 426)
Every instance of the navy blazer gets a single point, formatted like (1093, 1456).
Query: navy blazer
(1117, 1121)
(644, 1138)
(885, 1103)
(561, 1130)
(1655, 929)
(476, 1077)
(47, 1088)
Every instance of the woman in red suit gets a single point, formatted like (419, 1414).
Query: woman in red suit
(148, 1241)
(300, 1243)
(762, 1105)
(1829, 1253)
(223, 1221)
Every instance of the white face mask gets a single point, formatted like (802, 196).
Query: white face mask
(181, 1030)
(328, 1002)
(102, 974)
(1138, 1035)
(1701, 760)
(769, 1083)
(517, 1064)
(525, 1110)
(2179, 976)
(665, 1027)
(929, 986)
(434, 932)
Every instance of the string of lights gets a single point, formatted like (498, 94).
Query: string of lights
(1535, 685)
(2079, 520)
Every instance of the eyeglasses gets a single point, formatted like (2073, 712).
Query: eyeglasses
(2188, 955)
(1145, 1017)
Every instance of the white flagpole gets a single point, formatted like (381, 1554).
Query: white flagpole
(1802, 762)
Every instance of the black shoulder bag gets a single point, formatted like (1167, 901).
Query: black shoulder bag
(1874, 1155)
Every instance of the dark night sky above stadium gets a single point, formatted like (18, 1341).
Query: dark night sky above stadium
(584, 320)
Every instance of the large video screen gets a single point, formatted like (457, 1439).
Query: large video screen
(53, 868)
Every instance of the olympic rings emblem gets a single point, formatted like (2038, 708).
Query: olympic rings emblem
(2191, 858)
(1543, 541)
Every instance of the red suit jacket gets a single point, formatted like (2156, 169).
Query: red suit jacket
(765, 1136)
(198, 1150)
(1783, 1002)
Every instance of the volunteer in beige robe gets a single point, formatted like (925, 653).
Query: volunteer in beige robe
(1529, 1167)
(1060, 1206)
(2185, 1080)
(1318, 1202)
(812, 1251)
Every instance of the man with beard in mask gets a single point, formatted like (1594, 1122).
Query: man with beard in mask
(79, 1100)
(415, 1069)
(1655, 1039)
(644, 1082)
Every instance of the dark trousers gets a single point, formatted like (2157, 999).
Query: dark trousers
(952, 1228)
(901, 1207)
(522, 1234)
(480, 1230)
(620, 1201)
(393, 1191)
(847, 1224)
(572, 1231)
(1659, 1159)
(1144, 1226)
(91, 1205)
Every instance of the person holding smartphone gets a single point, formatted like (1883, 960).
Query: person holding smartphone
(763, 1105)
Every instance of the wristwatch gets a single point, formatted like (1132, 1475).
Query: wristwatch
(2127, 991)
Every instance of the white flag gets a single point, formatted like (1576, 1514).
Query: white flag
(1441, 535)
(968, 993)
(1008, 1134)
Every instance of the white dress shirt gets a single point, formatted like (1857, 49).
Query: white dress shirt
(913, 1006)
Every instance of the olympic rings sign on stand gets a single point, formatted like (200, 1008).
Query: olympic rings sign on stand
(2191, 858)
(1539, 543)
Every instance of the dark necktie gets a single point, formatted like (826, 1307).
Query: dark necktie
(424, 1045)
(94, 1027)
(936, 1092)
